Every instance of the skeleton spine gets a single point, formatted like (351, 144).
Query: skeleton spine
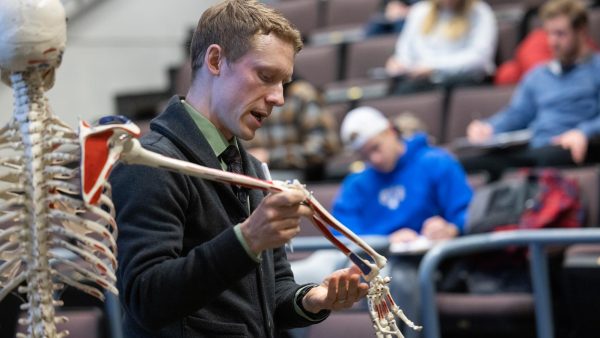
(31, 116)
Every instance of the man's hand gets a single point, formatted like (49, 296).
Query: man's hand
(575, 141)
(275, 221)
(436, 228)
(403, 235)
(479, 131)
(340, 290)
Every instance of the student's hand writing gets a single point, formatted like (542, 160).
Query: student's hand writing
(436, 228)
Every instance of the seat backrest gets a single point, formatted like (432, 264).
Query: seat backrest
(428, 107)
(346, 12)
(508, 39)
(318, 65)
(365, 55)
(302, 13)
(470, 103)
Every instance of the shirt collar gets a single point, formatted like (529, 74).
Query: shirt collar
(557, 68)
(218, 143)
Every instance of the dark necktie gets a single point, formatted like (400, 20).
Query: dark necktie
(232, 158)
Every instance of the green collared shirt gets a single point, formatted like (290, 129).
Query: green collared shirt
(218, 143)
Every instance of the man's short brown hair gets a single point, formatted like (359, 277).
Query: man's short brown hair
(233, 24)
(575, 10)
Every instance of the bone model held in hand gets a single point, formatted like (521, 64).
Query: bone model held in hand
(113, 141)
(48, 236)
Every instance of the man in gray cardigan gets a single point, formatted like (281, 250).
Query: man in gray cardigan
(204, 259)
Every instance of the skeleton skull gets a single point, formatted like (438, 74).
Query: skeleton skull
(33, 33)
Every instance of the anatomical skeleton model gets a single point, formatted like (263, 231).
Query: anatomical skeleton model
(46, 170)
(48, 236)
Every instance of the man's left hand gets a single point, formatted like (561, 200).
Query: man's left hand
(575, 141)
(340, 290)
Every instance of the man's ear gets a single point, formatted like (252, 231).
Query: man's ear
(213, 58)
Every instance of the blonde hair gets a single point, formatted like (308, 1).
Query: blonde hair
(458, 25)
(233, 24)
(573, 9)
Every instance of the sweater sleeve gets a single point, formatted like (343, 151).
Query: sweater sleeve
(591, 128)
(287, 313)
(520, 112)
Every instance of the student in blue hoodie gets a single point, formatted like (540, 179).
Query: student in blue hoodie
(407, 190)
(408, 187)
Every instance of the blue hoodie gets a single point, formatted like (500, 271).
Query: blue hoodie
(426, 182)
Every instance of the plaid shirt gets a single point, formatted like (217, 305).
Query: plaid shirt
(301, 133)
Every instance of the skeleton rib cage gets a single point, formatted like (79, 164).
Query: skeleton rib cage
(48, 236)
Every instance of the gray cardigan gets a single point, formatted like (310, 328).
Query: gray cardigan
(182, 271)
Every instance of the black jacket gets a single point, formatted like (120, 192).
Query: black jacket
(182, 271)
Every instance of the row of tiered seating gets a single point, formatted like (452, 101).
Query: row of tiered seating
(446, 113)
(320, 21)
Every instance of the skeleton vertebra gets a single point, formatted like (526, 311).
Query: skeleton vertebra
(48, 236)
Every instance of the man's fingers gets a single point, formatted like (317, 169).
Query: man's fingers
(286, 198)
(350, 290)
(288, 204)
(332, 290)
(343, 290)
(353, 293)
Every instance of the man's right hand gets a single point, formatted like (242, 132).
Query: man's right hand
(479, 131)
(275, 221)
